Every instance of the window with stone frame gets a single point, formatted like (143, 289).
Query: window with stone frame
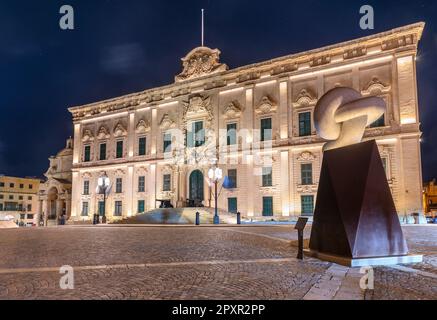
(231, 134)
(232, 176)
(304, 124)
(306, 171)
(266, 129)
(85, 209)
(141, 206)
(118, 208)
(166, 184)
(267, 180)
(119, 149)
(87, 153)
(267, 206)
(118, 185)
(167, 142)
(86, 187)
(142, 146)
(102, 153)
(307, 203)
(141, 183)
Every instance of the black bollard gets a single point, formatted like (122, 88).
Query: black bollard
(197, 218)
(238, 218)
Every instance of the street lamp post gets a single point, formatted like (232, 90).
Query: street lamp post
(103, 185)
(215, 174)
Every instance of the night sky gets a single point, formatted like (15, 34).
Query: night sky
(124, 46)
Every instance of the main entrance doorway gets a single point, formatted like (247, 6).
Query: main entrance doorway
(196, 186)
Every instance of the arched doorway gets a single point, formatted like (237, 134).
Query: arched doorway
(196, 185)
(52, 198)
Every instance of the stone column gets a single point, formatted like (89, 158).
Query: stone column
(46, 210)
(59, 206)
(68, 208)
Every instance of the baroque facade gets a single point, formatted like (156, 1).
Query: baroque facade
(54, 195)
(160, 143)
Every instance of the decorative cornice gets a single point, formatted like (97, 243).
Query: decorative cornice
(376, 87)
(103, 133)
(266, 106)
(119, 130)
(388, 42)
(232, 110)
(143, 126)
(305, 98)
(166, 122)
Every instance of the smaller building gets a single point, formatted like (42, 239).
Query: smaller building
(430, 198)
(54, 194)
(19, 199)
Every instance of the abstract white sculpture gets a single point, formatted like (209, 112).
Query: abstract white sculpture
(343, 114)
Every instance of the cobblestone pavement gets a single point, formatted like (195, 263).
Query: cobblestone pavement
(194, 263)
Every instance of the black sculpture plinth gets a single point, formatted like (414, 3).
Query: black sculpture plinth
(355, 219)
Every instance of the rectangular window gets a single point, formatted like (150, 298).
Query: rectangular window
(2, 184)
(199, 134)
(141, 184)
(118, 185)
(30, 186)
(140, 206)
(87, 154)
(86, 187)
(232, 205)
(304, 124)
(20, 197)
(102, 151)
(142, 146)
(232, 175)
(267, 180)
(306, 171)
(29, 198)
(1, 196)
(119, 150)
(307, 205)
(378, 123)
(11, 197)
(30, 216)
(84, 208)
(231, 134)
(118, 209)
(22, 216)
(167, 142)
(1, 206)
(21, 186)
(29, 207)
(266, 129)
(267, 206)
(166, 185)
(11, 185)
(101, 208)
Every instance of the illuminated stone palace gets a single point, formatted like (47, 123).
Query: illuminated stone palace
(264, 109)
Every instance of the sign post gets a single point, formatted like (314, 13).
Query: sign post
(300, 226)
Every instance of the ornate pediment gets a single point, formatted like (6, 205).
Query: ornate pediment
(305, 98)
(200, 62)
(266, 106)
(306, 156)
(87, 135)
(120, 130)
(103, 133)
(166, 122)
(376, 87)
(232, 110)
(143, 126)
(198, 107)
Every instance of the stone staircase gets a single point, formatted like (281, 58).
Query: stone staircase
(179, 216)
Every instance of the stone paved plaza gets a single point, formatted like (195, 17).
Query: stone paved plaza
(181, 262)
